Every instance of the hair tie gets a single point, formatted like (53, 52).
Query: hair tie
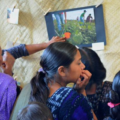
(112, 105)
(41, 70)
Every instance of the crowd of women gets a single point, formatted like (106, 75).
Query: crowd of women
(46, 97)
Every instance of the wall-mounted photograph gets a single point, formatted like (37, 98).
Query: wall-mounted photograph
(77, 26)
(80, 26)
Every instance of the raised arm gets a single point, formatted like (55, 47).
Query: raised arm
(25, 50)
(33, 48)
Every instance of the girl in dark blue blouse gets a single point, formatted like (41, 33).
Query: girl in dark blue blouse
(61, 63)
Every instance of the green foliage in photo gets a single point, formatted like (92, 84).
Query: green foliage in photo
(80, 33)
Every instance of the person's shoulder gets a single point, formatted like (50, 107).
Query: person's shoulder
(7, 79)
(66, 100)
(64, 95)
(76, 98)
(60, 94)
(107, 85)
(75, 102)
(67, 91)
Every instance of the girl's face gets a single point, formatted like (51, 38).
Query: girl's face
(0, 57)
(75, 69)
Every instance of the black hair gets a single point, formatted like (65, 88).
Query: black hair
(93, 64)
(35, 111)
(114, 97)
(56, 55)
(84, 10)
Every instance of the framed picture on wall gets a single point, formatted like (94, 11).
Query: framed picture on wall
(80, 26)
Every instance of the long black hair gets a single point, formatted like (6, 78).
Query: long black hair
(56, 55)
(93, 64)
(114, 97)
(35, 111)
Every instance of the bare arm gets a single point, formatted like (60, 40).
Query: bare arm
(25, 50)
(33, 48)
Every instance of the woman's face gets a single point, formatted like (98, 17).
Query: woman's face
(75, 69)
(0, 57)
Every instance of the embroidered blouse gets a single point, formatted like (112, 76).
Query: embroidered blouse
(67, 104)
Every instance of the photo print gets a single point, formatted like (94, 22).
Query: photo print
(81, 26)
(77, 26)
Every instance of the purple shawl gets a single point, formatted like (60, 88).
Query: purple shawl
(8, 95)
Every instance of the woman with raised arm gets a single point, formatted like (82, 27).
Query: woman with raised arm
(8, 86)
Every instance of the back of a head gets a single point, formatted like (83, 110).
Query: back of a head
(93, 64)
(114, 97)
(55, 55)
(35, 111)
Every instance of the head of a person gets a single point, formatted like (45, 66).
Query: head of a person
(35, 111)
(84, 11)
(114, 98)
(61, 62)
(89, 14)
(93, 64)
(1, 56)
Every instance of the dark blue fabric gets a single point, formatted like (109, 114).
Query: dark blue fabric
(108, 118)
(17, 51)
(67, 104)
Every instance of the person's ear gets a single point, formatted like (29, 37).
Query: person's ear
(62, 71)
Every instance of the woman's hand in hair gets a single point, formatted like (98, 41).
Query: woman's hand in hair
(8, 62)
(82, 82)
(57, 39)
